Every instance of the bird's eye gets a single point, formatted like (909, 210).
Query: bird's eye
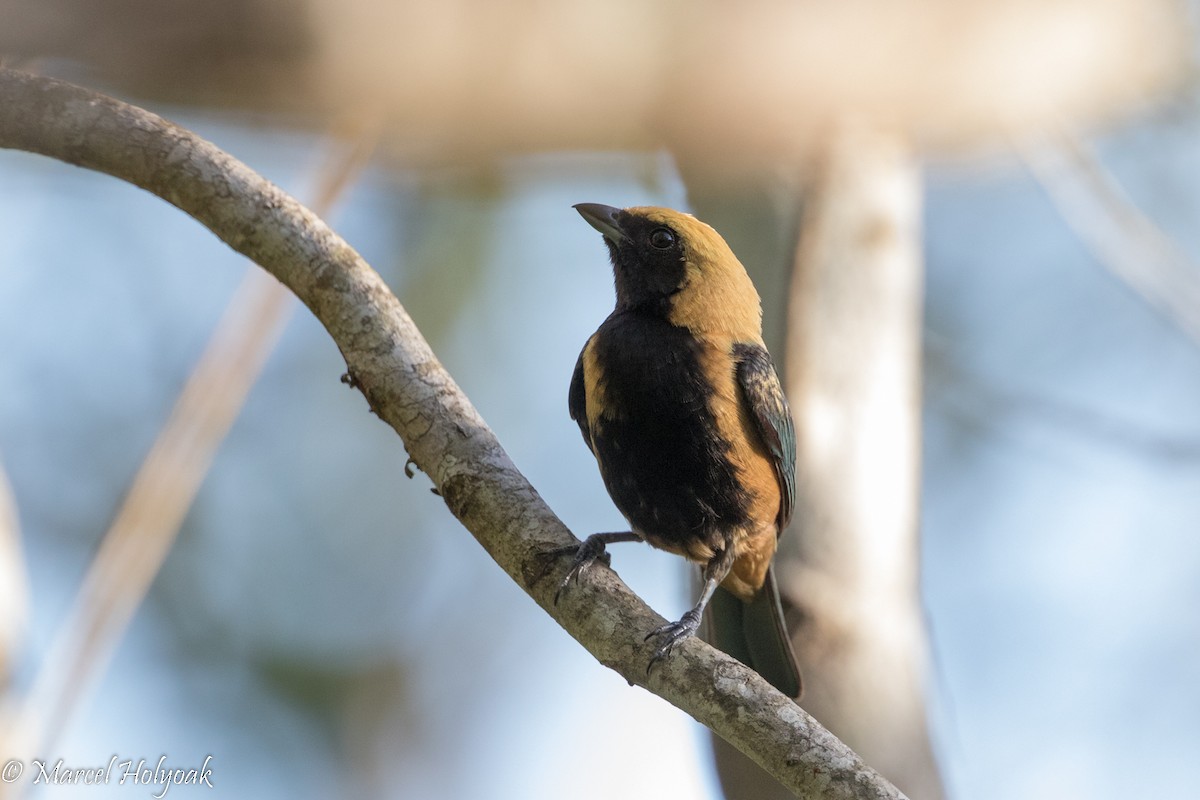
(662, 238)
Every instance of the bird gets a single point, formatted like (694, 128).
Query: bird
(681, 405)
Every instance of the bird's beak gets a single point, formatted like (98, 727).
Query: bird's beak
(603, 218)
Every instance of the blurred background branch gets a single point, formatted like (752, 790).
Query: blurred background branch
(145, 528)
(1124, 240)
(854, 376)
(978, 402)
(465, 79)
(14, 592)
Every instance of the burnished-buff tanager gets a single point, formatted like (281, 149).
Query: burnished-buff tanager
(679, 401)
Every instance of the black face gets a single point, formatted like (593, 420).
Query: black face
(648, 263)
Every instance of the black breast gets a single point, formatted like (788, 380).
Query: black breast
(663, 461)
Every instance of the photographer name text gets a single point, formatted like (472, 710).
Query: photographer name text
(158, 777)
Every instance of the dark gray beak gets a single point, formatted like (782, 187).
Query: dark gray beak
(603, 218)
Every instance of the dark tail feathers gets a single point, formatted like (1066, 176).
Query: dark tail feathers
(754, 633)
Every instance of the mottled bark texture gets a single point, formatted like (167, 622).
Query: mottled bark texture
(408, 389)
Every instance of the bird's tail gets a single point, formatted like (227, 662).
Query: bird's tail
(754, 633)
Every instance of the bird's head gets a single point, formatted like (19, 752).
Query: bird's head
(672, 265)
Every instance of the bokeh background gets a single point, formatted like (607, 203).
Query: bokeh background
(323, 627)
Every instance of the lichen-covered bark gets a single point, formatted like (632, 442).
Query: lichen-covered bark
(409, 390)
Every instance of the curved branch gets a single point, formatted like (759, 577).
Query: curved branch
(407, 387)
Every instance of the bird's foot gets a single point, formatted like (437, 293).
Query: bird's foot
(586, 554)
(672, 634)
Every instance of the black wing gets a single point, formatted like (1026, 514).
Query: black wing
(577, 401)
(768, 407)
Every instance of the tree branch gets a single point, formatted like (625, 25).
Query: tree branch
(407, 387)
(1120, 235)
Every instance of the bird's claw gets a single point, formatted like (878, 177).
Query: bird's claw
(586, 554)
(672, 634)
